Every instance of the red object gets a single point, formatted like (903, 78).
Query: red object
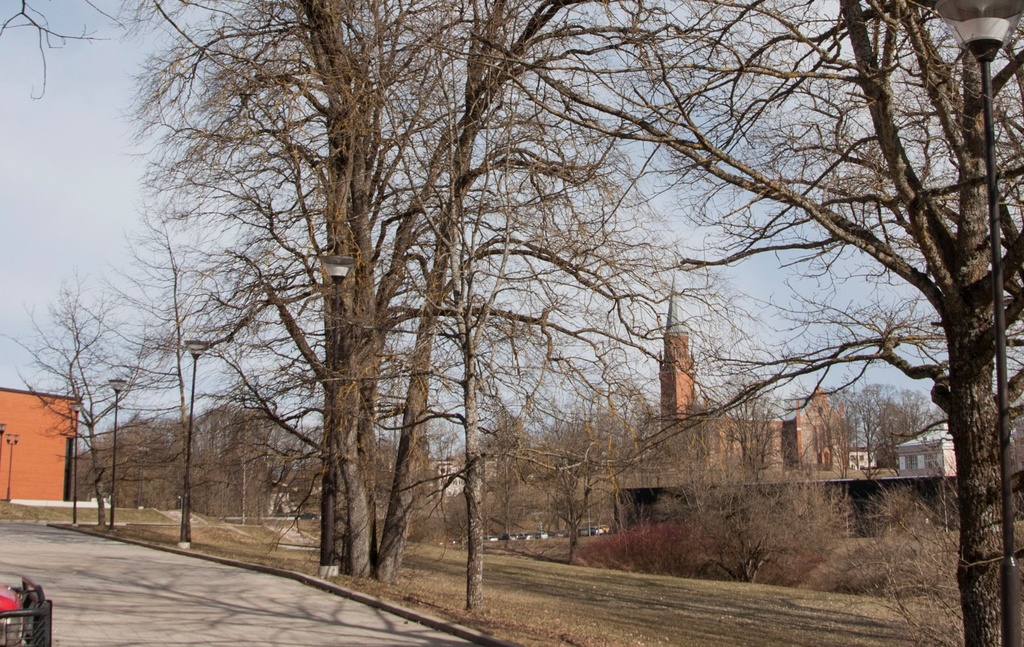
(8, 599)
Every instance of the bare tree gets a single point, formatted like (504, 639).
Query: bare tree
(321, 173)
(241, 462)
(75, 350)
(503, 447)
(297, 129)
(882, 417)
(473, 312)
(752, 437)
(743, 530)
(151, 451)
(577, 455)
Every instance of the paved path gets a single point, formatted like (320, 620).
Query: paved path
(110, 593)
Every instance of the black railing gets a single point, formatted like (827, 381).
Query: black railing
(29, 626)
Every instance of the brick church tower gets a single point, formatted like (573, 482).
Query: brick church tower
(677, 386)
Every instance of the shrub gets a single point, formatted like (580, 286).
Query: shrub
(775, 534)
(663, 549)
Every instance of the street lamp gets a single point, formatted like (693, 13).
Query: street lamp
(12, 440)
(118, 385)
(76, 407)
(195, 348)
(982, 27)
(3, 428)
(336, 267)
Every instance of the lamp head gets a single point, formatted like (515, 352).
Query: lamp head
(3, 426)
(118, 384)
(337, 267)
(196, 347)
(981, 26)
(76, 406)
(12, 439)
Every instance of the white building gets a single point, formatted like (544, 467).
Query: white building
(449, 473)
(861, 459)
(930, 454)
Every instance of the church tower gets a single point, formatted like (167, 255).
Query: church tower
(677, 385)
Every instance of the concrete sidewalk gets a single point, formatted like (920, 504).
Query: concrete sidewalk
(111, 593)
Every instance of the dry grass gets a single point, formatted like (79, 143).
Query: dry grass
(540, 602)
(13, 512)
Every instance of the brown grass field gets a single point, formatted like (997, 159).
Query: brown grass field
(532, 599)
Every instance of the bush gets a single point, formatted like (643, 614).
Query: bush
(795, 536)
(661, 549)
(918, 554)
(777, 534)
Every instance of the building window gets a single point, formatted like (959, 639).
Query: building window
(913, 462)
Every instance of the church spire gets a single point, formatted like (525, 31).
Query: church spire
(677, 371)
(675, 323)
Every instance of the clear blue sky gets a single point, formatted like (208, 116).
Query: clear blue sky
(68, 175)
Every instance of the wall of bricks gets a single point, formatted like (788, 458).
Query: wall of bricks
(42, 423)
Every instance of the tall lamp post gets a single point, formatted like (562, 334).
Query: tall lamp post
(12, 440)
(76, 408)
(982, 27)
(336, 267)
(118, 385)
(195, 348)
(3, 428)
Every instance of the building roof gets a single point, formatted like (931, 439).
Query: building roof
(938, 435)
(39, 394)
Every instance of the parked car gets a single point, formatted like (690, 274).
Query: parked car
(593, 530)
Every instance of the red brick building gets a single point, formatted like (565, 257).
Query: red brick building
(816, 434)
(677, 372)
(813, 434)
(37, 465)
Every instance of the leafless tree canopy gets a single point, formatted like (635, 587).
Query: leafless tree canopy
(845, 139)
(414, 138)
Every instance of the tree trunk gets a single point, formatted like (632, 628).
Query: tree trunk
(101, 516)
(366, 437)
(474, 481)
(97, 484)
(972, 418)
(359, 361)
(474, 509)
(574, 544)
(396, 521)
(358, 536)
